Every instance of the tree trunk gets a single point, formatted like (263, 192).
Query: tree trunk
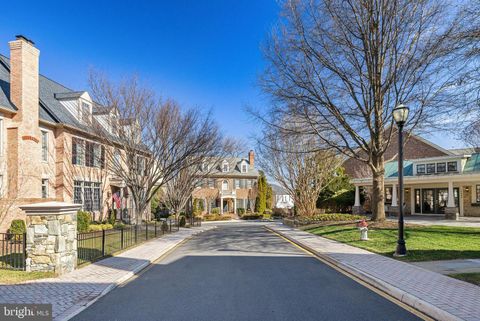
(378, 198)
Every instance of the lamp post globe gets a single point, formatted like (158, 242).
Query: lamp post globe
(400, 115)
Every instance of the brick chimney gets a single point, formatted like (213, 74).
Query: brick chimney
(251, 159)
(24, 90)
(23, 135)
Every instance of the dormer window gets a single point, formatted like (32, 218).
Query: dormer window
(225, 167)
(85, 112)
(204, 167)
(243, 167)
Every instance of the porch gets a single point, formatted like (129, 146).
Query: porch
(441, 196)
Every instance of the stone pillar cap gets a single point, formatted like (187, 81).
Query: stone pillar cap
(50, 208)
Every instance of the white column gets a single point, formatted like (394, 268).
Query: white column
(221, 205)
(235, 206)
(357, 196)
(394, 195)
(451, 199)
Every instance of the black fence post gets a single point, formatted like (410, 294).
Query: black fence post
(170, 225)
(103, 242)
(146, 230)
(24, 251)
(155, 229)
(136, 234)
(121, 238)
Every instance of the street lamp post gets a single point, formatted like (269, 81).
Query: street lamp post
(400, 115)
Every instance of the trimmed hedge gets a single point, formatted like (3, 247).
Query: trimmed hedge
(331, 217)
(240, 211)
(216, 217)
(83, 221)
(99, 227)
(215, 210)
(252, 216)
(17, 227)
(119, 225)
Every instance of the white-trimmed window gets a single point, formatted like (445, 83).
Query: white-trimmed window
(237, 184)
(85, 112)
(211, 183)
(78, 151)
(477, 193)
(44, 146)
(243, 167)
(225, 185)
(225, 167)
(452, 166)
(117, 158)
(44, 187)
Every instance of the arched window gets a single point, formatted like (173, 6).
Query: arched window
(225, 185)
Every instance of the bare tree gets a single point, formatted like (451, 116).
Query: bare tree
(303, 173)
(178, 190)
(340, 67)
(147, 141)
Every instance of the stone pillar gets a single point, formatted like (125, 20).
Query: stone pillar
(221, 205)
(451, 211)
(51, 237)
(357, 207)
(234, 206)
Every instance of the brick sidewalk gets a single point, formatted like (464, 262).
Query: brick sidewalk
(439, 296)
(71, 293)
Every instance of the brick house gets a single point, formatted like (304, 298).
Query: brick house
(231, 185)
(438, 182)
(47, 151)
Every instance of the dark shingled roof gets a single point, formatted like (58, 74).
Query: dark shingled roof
(69, 95)
(50, 109)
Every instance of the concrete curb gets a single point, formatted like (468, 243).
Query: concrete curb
(79, 307)
(402, 296)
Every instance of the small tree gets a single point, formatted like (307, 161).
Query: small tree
(302, 173)
(261, 199)
(269, 197)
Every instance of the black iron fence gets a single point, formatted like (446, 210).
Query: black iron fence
(92, 246)
(12, 251)
(194, 221)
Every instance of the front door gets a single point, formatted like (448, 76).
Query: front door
(428, 201)
(433, 200)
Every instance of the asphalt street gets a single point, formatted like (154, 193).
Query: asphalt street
(242, 272)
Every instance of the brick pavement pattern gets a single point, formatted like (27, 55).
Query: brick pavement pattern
(74, 291)
(439, 296)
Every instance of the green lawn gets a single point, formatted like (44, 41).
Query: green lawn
(11, 277)
(424, 243)
(473, 278)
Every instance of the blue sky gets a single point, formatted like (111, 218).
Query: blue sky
(203, 54)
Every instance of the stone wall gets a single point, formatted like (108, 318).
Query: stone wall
(51, 237)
